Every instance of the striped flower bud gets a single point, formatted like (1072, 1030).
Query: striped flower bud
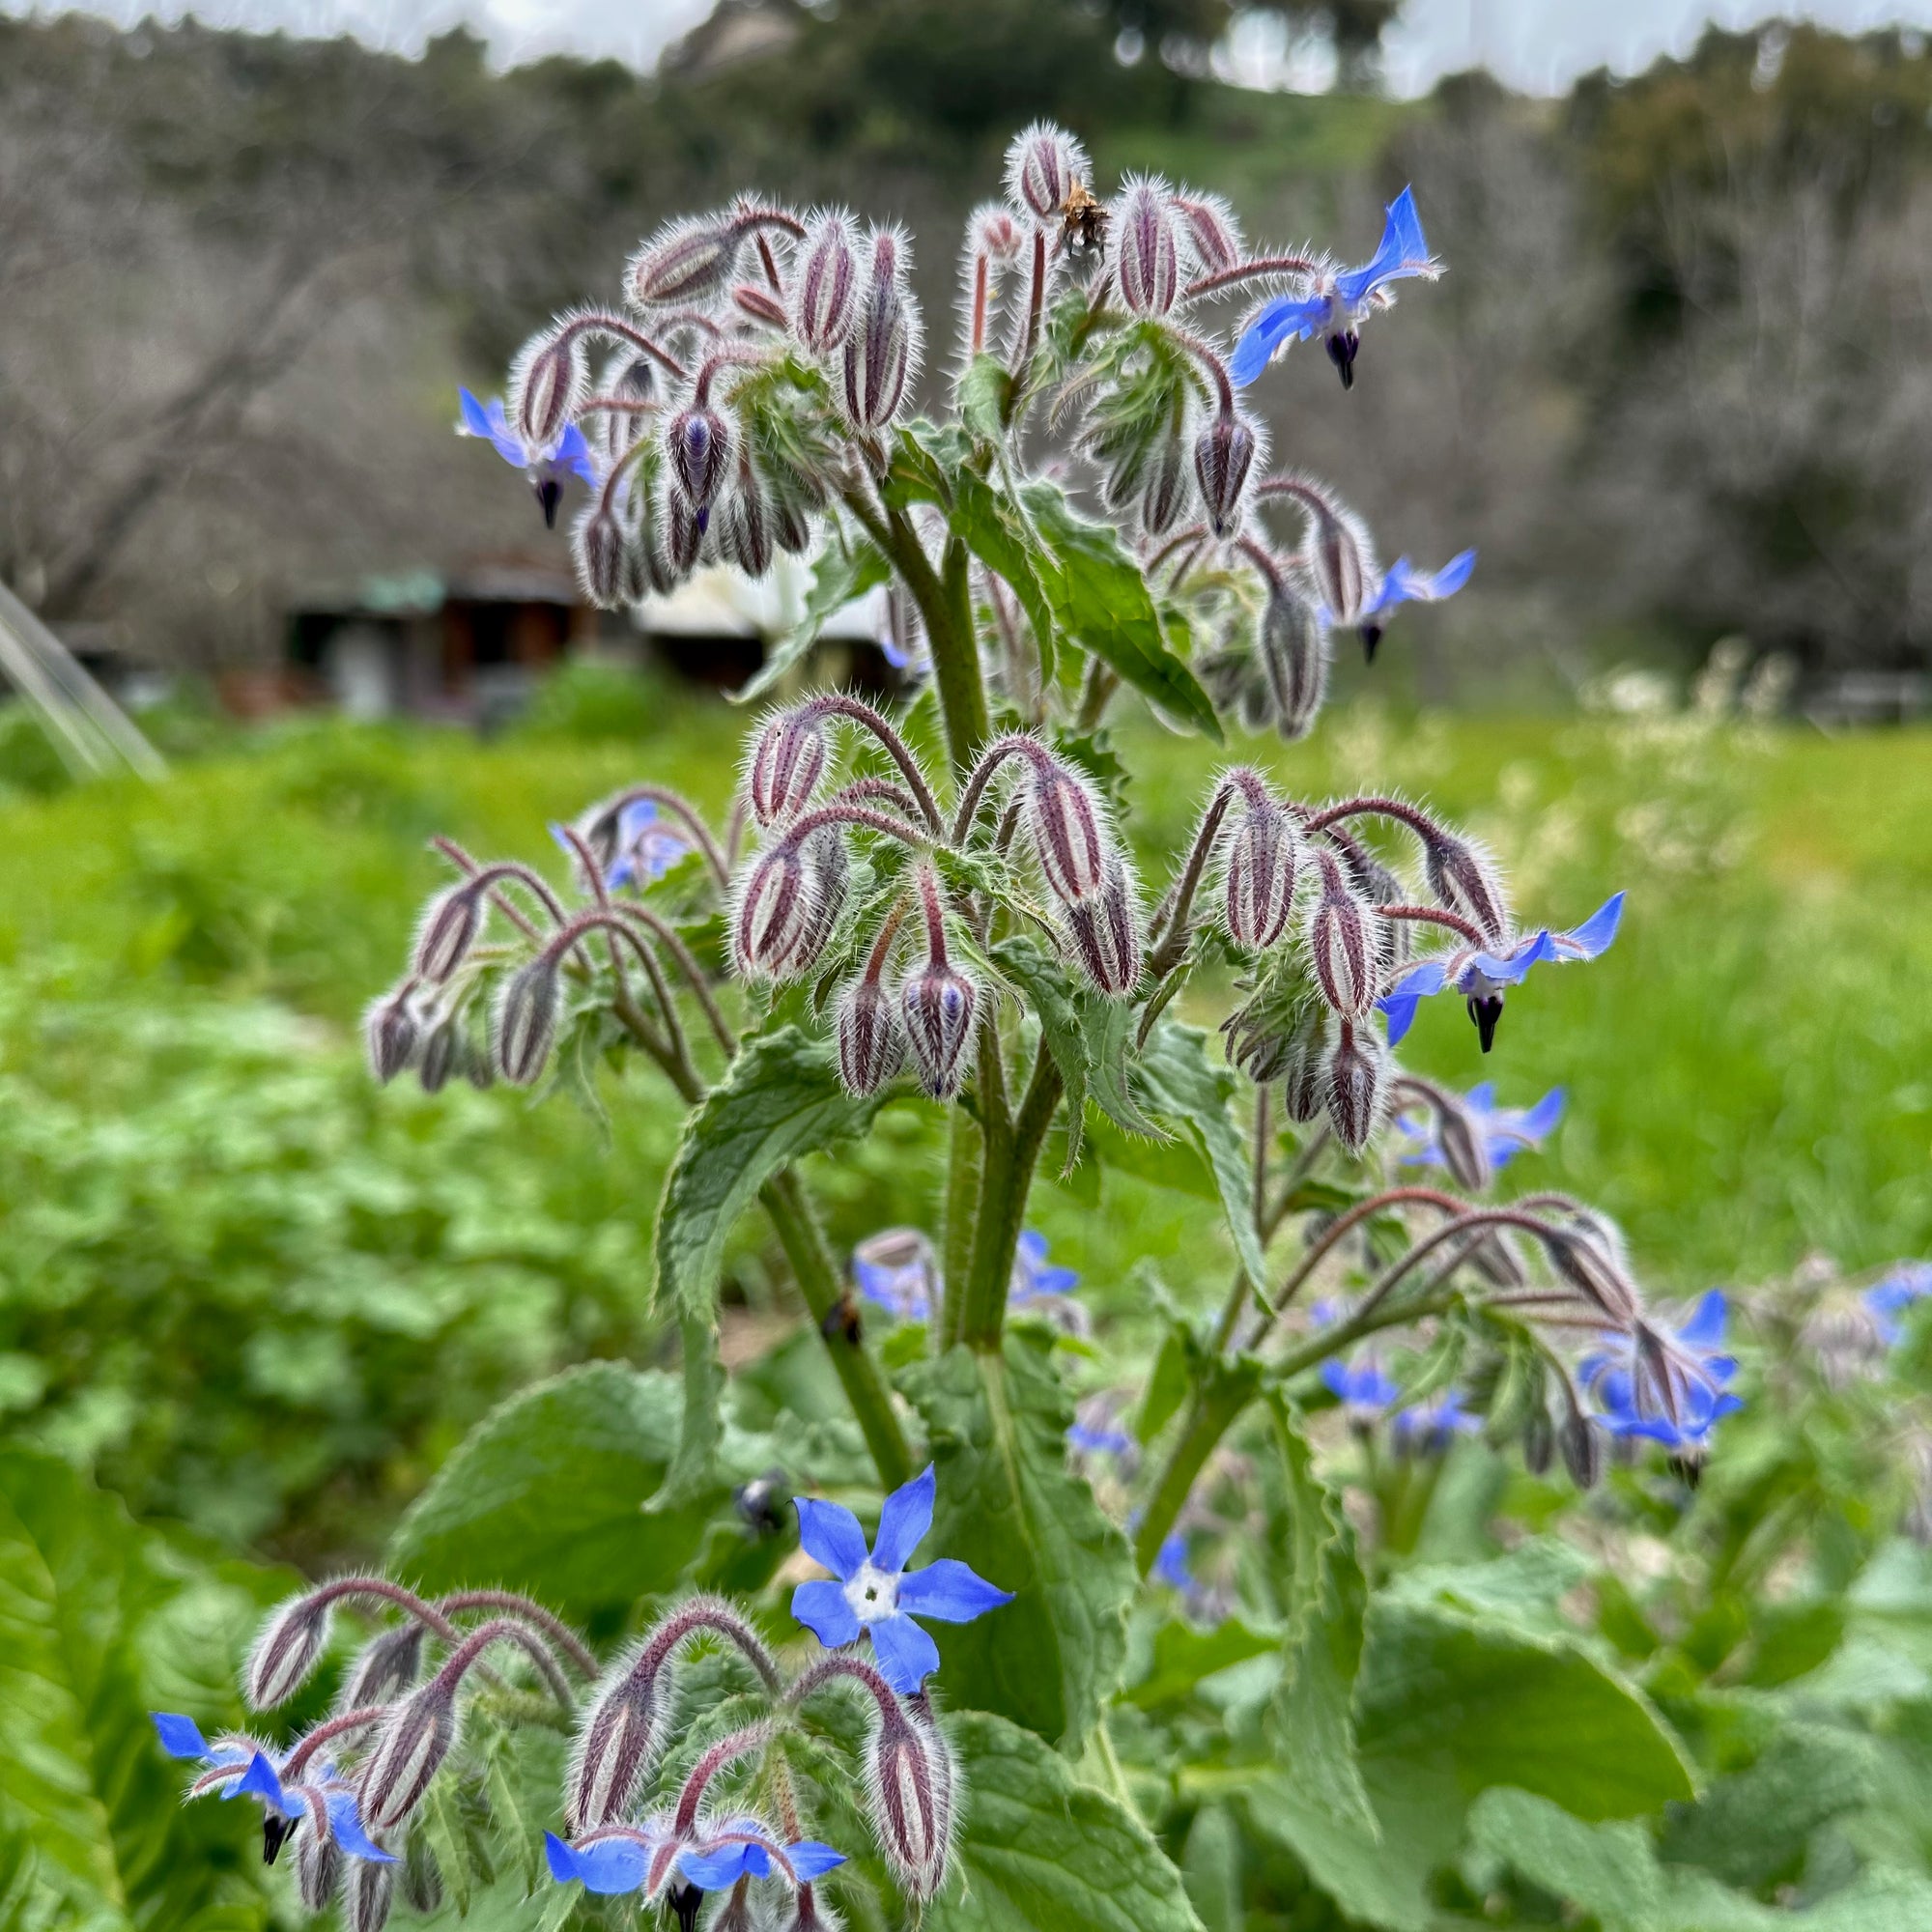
(1341, 560)
(787, 907)
(526, 1022)
(617, 1745)
(871, 1042)
(1465, 1151)
(385, 1666)
(697, 442)
(1224, 452)
(318, 1869)
(1588, 1252)
(1358, 1085)
(597, 548)
(441, 1049)
(882, 347)
(1259, 875)
(448, 930)
(1042, 165)
(1293, 652)
(1212, 232)
(791, 524)
(682, 537)
(825, 283)
(367, 1895)
(746, 536)
(546, 387)
(1341, 941)
(1147, 257)
(1583, 1449)
(408, 1751)
(787, 761)
(1494, 1258)
(937, 1003)
(641, 569)
(1165, 486)
(1069, 836)
(1105, 935)
(909, 1787)
(994, 233)
(685, 264)
(1539, 1442)
(1463, 880)
(756, 302)
(287, 1652)
(1377, 886)
(390, 1032)
(1304, 1073)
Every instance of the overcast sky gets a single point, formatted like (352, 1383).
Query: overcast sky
(1535, 45)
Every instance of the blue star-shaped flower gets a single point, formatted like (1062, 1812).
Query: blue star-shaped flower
(1506, 1131)
(1403, 584)
(894, 1269)
(1035, 1278)
(1481, 977)
(652, 1857)
(1668, 1389)
(1363, 1386)
(873, 1593)
(547, 468)
(1339, 302)
(1888, 1299)
(642, 850)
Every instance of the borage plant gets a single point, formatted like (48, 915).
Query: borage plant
(942, 910)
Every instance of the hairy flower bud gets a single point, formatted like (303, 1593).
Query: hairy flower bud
(1224, 452)
(1304, 1066)
(287, 1652)
(825, 283)
(1465, 1151)
(1539, 1442)
(597, 548)
(697, 442)
(391, 1034)
(746, 533)
(1147, 257)
(1105, 935)
(617, 1745)
(1212, 232)
(787, 905)
(909, 1789)
(1341, 941)
(682, 536)
(442, 1047)
(367, 1895)
(526, 1022)
(938, 1002)
(993, 232)
(318, 1869)
(871, 1042)
(1464, 881)
(1293, 649)
(1357, 1085)
(1165, 485)
(791, 524)
(1070, 836)
(408, 1751)
(1341, 561)
(1494, 1258)
(882, 349)
(787, 761)
(546, 387)
(756, 301)
(1042, 165)
(685, 264)
(1259, 876)
(384, 1667)
(1582, 1448)
(448, 930)
(1588, 1252)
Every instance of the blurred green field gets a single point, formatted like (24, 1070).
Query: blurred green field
(246, 1287)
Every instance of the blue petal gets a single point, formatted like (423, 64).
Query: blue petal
(1421, 982)
(573, 453)
(1282, 317)
(1033, 1245)
(714, 1870)
(345, 1827)
(1705, 1328)
(562, 1858)
(903, 1522)
(1451, 578)
(820, 1605)
(809, 1859)
(907, 1657)
(1545, 1118)
(475, 418)
(608, 1866)
(1401, 1012)
(950, 1591)
(1594, 935)
(830, 1535)
(181, 1737)
(1402, 251)
(261, 1780)
(1481, 1099)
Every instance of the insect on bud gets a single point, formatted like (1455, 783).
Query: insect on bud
(825, 283)
(287, 1652)
(1341, 941)
(390, 1032)
(697, 442)
(1357, 1085)
(871, 1044)
(1105, 935)
(1165, 486)
(1463, 880)
(317, 1870)
(597, 546)
(615, 1749)
(409, 1751)
(1146, 255)
(937, 1003)
(368, 1895)
(1042, 165)
(384, 1667)
(526, 1022)
(1294, 660)
(685, 264)
(546, 387)
(1212, 232)
(1259, 879)
(787, 761)
(1224, 452)
(1068, 835)
(881, 349)
(909, 1787)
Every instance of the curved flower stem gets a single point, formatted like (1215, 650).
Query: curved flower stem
(1179, 919)
(511, 1604)
(842, 704)
(1400, 809)
(672, 942)
(1242, 272)
(326, 1732)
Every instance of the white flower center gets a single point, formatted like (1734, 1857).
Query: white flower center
(873, 1593)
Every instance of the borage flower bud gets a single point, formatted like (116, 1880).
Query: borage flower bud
(442, 1047)
(387, 1665)
(409, 1751)
(615, 1749)
(597, 548)
(1341, 940)
(882, 349)
(368, 1895)
(1105, 935)
(696, 442)
(1539, 1442)
(1212, 232)
(871, 1042)
(1340, 560)
(937, 1003)
(909, 1788)
(287, 1652)
(421, 1881)
(1583, 1449)
(683, 537)
(787, 907)
(390, 1032)
(1147, 258)
(1357, 1085)
(1304, 1072)
(1165, 485)
(448, 930)
(685, 264)
(546, 387)
(758, 302)
(1070, 836)
(526, 1022)
(1294, 648)
(745, 534)
(1224, 452)
(1259, 879)
(1042, 165)
(996, 235)
(318, 1869)
(1463, 880)
(825, 283)
(787, 761)
(1466, 1151)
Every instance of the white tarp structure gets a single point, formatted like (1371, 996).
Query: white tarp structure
(720, 602)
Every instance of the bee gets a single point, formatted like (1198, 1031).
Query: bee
(842, 1319)
(1083, 221)
(762, 1501)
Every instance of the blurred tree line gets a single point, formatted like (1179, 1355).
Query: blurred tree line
(1678, 379)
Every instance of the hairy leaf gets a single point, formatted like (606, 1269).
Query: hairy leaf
(998, 535)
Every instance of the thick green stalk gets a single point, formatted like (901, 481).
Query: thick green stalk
(962, 1201)
(1006, 1180)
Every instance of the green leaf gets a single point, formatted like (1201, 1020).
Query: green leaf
(1101, 600)
(448, 1839)
(1109, 1027)
(997, 534)
(983, 395)
(1324, 1599)
(1192, 1093)
(1608, 1871)
(1037, 1849)
(927, 460)
(547, 1495)
(1181, 1656)
(845, 571)
(1008, 1505)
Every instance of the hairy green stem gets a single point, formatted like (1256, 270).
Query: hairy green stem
(1006, 1180)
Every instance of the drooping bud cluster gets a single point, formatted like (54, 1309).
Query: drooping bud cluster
(1147, 256)
(1259, 876)
(881, 354)
(1340, 942)
(825, 283)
